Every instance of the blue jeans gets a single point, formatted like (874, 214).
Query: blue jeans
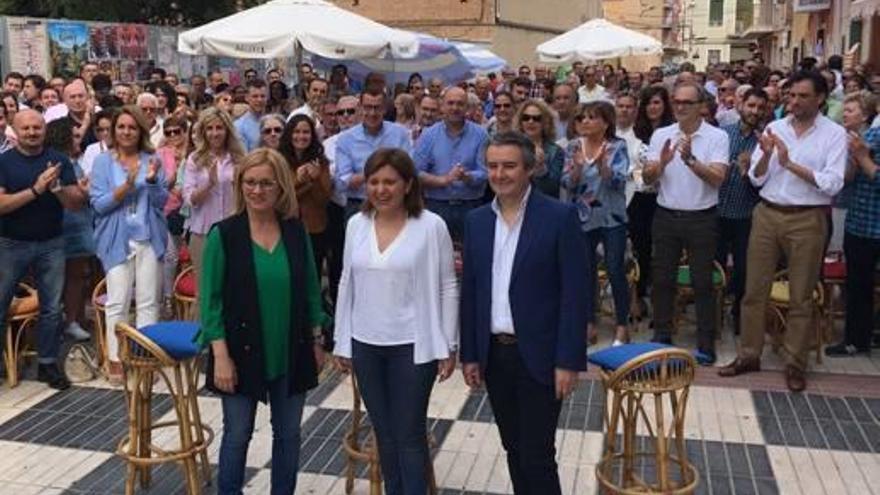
(238, 425)
(453, 213)
(613, 241)
(396, 391)
(46, 261)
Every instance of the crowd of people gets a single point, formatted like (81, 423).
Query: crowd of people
(353, 200)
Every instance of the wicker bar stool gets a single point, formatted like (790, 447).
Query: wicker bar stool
(164, 350)
(185, 294)
(777, 313)
(632, 376)
(22, 315)
(360, 447)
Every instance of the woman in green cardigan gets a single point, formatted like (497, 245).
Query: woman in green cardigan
(261, 316)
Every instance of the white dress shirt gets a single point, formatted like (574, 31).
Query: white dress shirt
(679, 187)
(503, 254)
(406, 294)
(822, 149)
(598, 93)
(338, 195)
(635, 149)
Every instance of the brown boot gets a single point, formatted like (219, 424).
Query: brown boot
(795, 379)
(740, 366)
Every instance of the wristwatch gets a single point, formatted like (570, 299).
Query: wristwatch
(690, 161)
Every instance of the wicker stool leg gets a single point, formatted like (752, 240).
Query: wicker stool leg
(181, 404)
(375, 473)
(192, 395)
(146, 420)
(134, 429)
(661, 452)
(629, 439)
(10, 357)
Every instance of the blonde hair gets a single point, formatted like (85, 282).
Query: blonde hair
(548, 126)
(144, 143)
(286, 205)
(866, 101)
(201, 156)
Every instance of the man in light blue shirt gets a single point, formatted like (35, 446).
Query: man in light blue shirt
(450, 156)
(355, 145)
(248, 125)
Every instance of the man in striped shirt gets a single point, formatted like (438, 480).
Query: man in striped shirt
(737, 197)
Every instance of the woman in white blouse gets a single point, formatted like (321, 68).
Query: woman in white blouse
(397, 314)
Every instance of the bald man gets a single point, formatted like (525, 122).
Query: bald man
(79, 108)
(450, 156)
(36, 184)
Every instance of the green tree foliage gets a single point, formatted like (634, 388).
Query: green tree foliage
(163, 12)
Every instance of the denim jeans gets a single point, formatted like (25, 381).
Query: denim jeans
(453, 213)
(238, 425)
(396, 392)
(613, 241)
(46, 260)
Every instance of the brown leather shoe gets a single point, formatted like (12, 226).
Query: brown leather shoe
(740, 366)
(795, 379)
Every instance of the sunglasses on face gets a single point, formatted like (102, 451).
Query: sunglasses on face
(346, 111)
(273, 130)
(503, 105)
(173, 132)
(530, 118)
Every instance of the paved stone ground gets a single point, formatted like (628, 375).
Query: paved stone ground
(746, 435)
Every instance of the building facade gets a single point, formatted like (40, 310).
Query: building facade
(726, 30)
(510, 28)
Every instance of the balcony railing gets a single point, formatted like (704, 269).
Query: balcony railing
(767, 17)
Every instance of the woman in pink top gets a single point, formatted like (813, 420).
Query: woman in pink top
(173, 152)
(208, 177)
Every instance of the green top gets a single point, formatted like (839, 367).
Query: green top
(273, 294)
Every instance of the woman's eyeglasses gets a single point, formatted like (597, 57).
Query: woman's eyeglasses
(173, 132)
(272, 130)
(530, 118)
(264, 184)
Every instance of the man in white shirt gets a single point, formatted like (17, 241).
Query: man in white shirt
(799, 165)
(522, 312)
(591, 90)
(626, 106)
(688, 162)
(348, 115)
(727, 113)
(316, 94)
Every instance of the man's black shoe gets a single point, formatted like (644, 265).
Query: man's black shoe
(705, 357)
(52, 376)
(845, 350)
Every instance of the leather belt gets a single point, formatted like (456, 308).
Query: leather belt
(790, 208)
(504, 338)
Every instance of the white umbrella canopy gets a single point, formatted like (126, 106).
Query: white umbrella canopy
(597, 39)
(274, 29)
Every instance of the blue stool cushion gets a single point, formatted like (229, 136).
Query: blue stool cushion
(174, 337)
(612, 358)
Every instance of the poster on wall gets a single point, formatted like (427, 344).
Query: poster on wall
(68, 46)
(27, 46)
(167, 50)
(133, 41)
(103, 42)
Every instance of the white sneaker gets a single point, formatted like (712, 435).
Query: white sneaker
(617, 343)
(76, 332)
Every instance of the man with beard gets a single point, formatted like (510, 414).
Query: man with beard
(737, 197)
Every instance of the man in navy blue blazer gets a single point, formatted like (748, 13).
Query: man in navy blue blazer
(523, 310)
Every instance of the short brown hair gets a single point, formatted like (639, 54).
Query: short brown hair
(401, 162)
(286, 204)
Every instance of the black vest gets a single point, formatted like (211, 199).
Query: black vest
(241, 311)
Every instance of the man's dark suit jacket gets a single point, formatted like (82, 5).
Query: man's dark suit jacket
(548, 288)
